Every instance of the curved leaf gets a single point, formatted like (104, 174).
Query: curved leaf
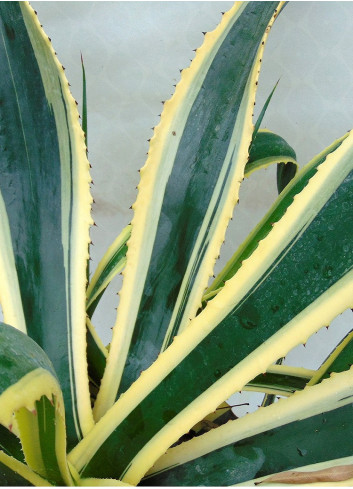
(268, 148)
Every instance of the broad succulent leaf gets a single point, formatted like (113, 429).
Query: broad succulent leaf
(187, 192)
(45, 188)
(269, 148)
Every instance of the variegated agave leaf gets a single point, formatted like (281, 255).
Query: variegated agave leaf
(187, 192)
(45, 189)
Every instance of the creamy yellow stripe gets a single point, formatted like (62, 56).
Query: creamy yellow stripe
(301, 405)
(154, 177)
(10, 297)
(75, 244)
(60, 444)
(23, 471)
(308, 468)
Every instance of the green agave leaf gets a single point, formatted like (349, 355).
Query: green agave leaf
(261, 313)
(316, 439)
(46, 184)
(187, 192)
(268, 148)
(31, 407)
(264, 227)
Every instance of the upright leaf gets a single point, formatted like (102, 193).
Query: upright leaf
(187, 192)
(45, 185)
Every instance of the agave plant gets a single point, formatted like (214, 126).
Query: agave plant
(150, 409)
